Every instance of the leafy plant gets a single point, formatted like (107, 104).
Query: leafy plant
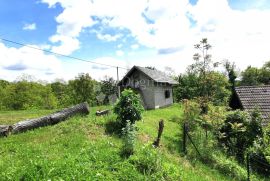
(191, 113)
(239, 132)
(129, 138)
(147, 161)
(128, 107)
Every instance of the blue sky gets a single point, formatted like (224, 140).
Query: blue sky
(128, 32)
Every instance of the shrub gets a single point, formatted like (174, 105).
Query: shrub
(128, 107)
(239, 132)
(260, 152)
(228, 167)
(191, 113)
(129, 138)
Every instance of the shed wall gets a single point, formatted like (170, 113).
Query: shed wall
(160, 100)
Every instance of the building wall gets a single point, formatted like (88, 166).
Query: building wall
(160, 99)
(147, 90)
(153, 94)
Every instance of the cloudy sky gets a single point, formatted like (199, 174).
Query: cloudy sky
(124, 33)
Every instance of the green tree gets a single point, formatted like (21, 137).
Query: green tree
(191, 85)
(128, 107)
(188, 87)
(265, 74)
(256, 76)
(251, 76)
(108, 87)
(202, 66)
(29, 95)
(3, 86)
(217, 88)
(82, 89)
(61, 91)
(231, 72)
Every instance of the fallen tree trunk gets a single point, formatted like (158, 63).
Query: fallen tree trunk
(51, 119)
(5, 130)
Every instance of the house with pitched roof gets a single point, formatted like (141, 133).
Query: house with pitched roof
(154, 86)
(249, 98)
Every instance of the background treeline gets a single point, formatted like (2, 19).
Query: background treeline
(218, 85)
(25, 93)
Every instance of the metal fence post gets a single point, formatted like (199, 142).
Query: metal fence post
(248, 167)
(184, 138)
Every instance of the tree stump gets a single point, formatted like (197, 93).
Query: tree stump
(5, 130)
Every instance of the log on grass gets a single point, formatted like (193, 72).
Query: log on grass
(51, 119)
(59, 116)
(5, 130)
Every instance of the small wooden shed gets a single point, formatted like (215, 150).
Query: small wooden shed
(154, 86)
(250, 97)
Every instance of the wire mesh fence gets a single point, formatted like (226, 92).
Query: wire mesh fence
(199, 144)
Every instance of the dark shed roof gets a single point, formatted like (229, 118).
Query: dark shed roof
(255, 96)
(153, 74)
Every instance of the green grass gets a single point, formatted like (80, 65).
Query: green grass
(82, 148)
(10, 117)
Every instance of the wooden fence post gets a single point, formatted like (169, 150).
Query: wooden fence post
(160, 130)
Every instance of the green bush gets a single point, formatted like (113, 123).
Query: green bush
(129, 138)
(239, 132)
(228, 166)
(191, 113)
(128, 107)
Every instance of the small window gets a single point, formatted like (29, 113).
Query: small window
(167, 94)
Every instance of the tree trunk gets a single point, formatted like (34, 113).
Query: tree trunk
(51, 119)
(5, 130)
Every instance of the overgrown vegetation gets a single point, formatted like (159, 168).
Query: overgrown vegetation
(220, 135)
(239, 132)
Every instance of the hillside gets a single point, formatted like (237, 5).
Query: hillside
(86, 148)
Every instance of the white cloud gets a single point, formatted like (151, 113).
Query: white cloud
(97, 71)
(30, 26)
(75, 17)
(119, 45)
(135, 46)
(67, 44)
(172, 26)
(240, 36)
(119, 53)
(16, 61)
(108, 37)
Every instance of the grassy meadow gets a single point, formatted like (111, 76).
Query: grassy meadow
(87, 148)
